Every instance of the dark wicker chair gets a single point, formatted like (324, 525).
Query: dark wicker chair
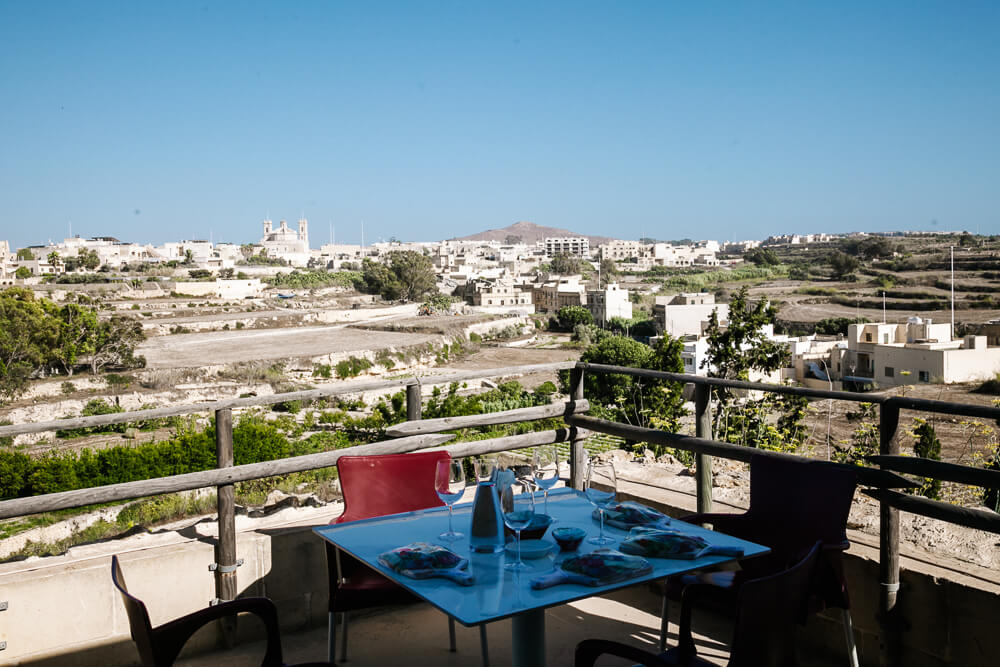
(767, 612)
(793, 504)
(160, 646)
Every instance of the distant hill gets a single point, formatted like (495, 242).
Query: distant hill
(529, 233)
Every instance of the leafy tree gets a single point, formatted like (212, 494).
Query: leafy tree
(832, 326)
(570, 316)
(871, 247)
(77, 330)
(89, 259)
(22, 273)
(226, 274)
(565, 265)
(512, 239)
(54, 259)
(609, 271)
(25, 254)
(640, 401)
(27, 333)
(199, 274)
(188, 257)
(927, 446)
(842, 264)
(771, 422)
(115, 343)
(407, 275)
(762, 257)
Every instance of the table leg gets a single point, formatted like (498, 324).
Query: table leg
(528, 639)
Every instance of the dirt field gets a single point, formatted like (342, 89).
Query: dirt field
(226, 347)
(506, 357)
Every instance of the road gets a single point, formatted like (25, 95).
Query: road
(226, 347)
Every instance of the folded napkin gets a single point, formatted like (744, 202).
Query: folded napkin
(598, 568)
(423, 561)
(628, 514)
(656, 543)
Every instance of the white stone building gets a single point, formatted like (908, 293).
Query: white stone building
(286, 243)
(612, 301)
(578, 246)
(685, 314)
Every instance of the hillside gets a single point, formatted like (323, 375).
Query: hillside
(529, 233)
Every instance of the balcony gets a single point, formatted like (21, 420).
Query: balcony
(908, 608)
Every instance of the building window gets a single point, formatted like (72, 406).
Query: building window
(925, 376)
(868, 338)
(885, 338)
(889, 371)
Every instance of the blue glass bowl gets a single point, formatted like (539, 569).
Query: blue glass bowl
(568, 538)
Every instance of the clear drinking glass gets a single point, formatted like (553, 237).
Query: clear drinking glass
(600, 488)
(521, 512)
(484, 469)
(545, 471)
(449, 482)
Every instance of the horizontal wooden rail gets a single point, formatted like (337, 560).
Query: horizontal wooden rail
(510, 442)
(866, 476)
(488, 418)
(737, 384)
(949, 472)
(969, 517)
(945, 407)
(214, 477)
(253, 401)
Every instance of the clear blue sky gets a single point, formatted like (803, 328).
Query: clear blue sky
(161, 121)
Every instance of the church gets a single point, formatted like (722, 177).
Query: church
(287, 243)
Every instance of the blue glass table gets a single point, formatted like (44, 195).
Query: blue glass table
(499, 593)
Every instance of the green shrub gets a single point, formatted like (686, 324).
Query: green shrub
(68, 388)
(352, 367)
(475, 338)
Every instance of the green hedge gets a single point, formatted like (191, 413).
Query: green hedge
(254, 439)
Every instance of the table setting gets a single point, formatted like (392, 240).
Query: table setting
(521, 547)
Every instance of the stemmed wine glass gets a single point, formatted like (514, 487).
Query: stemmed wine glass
(449, 482)
(600, 487)
(545, 470)
(518, 517)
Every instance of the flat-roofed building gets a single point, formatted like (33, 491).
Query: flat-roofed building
(578, 246)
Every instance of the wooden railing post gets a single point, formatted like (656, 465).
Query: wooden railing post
(577, 455)
(414, 402)
(225, 547)
(889, 621)
(703, 462)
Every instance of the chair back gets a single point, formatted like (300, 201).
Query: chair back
(138, 617)
(388, 484)
(768, 610)
(797, 502)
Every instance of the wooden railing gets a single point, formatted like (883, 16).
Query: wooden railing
(416, 434)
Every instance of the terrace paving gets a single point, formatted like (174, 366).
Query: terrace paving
(419, 633)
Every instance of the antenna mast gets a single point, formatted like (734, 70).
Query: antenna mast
(953, 292)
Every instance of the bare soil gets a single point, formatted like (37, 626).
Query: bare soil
(226, 347)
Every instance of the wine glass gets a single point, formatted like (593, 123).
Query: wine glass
(545, 470)
(522, 511)
(484, 468)
(449, 482)
(600, 488)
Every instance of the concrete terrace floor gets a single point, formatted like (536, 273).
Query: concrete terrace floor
(418, 634)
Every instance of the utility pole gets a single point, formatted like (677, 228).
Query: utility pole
(953, 292)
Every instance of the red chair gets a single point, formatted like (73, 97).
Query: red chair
(376, 486)
(767, 611)
(160, 646)
(793, 504)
